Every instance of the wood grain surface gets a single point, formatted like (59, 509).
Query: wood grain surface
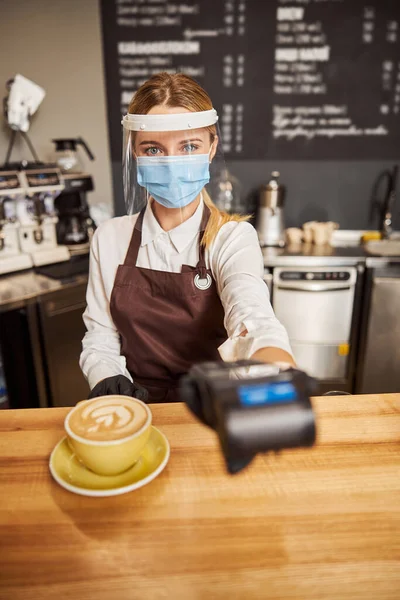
(305, 524)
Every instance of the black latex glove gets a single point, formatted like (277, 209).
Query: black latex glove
(119, 385)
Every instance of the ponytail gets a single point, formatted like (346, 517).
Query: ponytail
(217, 219)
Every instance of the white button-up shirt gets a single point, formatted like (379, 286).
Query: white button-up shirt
(236, 263)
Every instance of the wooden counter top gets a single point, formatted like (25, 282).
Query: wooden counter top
(306, 524)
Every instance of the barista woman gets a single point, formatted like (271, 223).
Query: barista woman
(176, 281)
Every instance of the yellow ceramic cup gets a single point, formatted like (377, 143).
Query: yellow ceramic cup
(109, 457)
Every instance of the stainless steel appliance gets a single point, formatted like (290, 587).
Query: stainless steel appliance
(316, 305)
(75, 226)
(62, 330)
(378, 365)
(226, 193)
(11, 256)
(66, 154)
(270, 222)
(36, 214)
(40, 344)
(27, 216)
(268, 280)
(35, 186)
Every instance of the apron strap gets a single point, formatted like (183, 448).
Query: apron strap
(136, 240)
(201, 265)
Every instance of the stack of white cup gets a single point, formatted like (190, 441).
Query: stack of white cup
(313, 232)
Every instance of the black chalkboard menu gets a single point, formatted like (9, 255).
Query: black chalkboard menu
(290, 79)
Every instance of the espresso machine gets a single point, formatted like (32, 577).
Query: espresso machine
(36, 214)
(11, 256)
(270, 221)
(75, 226)
(28, 188)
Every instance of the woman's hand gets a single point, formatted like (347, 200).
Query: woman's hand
(119, 385)
(273, 355)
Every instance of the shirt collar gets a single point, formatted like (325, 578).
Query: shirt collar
(180, 236)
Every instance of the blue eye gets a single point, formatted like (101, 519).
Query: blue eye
(190, 148)
(152, 151)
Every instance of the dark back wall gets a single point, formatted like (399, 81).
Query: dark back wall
(320, 191)
(309, 88)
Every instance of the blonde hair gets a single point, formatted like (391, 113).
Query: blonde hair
(181, 90)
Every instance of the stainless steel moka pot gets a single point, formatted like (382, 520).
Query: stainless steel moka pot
(270, 222)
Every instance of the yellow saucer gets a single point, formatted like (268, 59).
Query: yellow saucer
(72, 475)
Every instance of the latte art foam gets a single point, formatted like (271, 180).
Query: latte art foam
(108, 418)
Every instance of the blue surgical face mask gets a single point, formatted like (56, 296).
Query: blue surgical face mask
(173, 181)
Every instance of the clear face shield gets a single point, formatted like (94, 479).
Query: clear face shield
(170, 159)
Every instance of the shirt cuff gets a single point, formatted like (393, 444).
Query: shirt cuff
(243, 347)
(102, 370)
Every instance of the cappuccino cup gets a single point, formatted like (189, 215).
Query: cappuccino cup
(108, 433)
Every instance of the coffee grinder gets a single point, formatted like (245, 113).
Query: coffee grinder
(11, 257)
(75, 226)
(270, 222)
(36, 213)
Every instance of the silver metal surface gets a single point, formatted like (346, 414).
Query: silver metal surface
(270, 227)
(310, 256)
(314, 317)
(270, 220)
(37, 355)
(313, 287)
(268, 278)
(62, 330)
(380, 371)
(381, 261)
(18, 290)
(384, 247)
(272, 194)
(322, 361)
(318, 319)
(311, 261)
(202, 284)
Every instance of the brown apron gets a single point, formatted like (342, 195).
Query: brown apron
(166, 323)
